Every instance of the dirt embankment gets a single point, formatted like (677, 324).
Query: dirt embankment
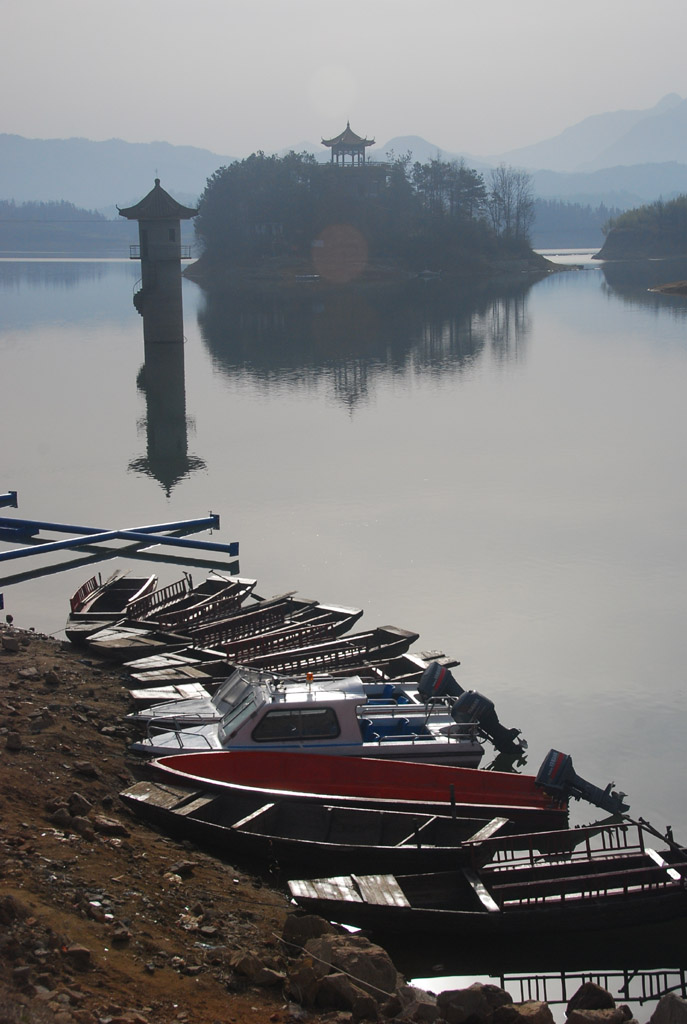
(102, 918)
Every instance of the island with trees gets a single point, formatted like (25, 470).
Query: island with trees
(655, 231)
(291, 219)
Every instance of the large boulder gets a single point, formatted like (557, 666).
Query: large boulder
(614, 1015)
(590, 996)
(299, 927)
(530, 1012)
(472, 1005)
(337, 970)
(671, 1009)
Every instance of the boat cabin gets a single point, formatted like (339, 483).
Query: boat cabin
(340, 719)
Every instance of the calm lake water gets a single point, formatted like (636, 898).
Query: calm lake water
(501, 469)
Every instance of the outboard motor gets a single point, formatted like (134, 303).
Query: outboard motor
(558, 777)
(437, 681)
(474, 707)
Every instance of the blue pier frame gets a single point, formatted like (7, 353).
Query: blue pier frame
(150, 535)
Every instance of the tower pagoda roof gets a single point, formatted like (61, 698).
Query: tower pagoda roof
(158, 205)
(348, 138)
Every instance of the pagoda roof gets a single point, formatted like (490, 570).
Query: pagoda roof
(157, 205)
(348, 138)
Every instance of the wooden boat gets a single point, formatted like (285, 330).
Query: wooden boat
(162, 597)
(253, 622)
(569, 881)
(406, 668)
(109, 600)
(214, 599)
(286, 834)
(271, 615)
(162, 672)
(334, 719)
(120, 643)
(369, 782)
(178, 692)
(374, 645)
(96, 605)
(328, 625)
(167, 677)
(203, 708)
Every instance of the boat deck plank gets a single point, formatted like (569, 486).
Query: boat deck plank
(381, 889)
(481, 891)
(336, 888)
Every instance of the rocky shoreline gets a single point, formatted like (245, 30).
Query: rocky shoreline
(107, 921)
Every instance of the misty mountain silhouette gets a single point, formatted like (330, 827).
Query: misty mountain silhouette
(622, 158)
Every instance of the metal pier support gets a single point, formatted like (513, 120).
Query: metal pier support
(150, 535)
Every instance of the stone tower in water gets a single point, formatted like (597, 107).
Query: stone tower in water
(158, 300)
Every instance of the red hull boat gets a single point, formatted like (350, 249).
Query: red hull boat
(369, 782)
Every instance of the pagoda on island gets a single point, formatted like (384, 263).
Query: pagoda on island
(348, 145)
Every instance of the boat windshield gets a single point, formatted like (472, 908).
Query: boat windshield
(231, 692)
(238, 713)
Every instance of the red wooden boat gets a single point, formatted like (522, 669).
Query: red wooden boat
(370, 782)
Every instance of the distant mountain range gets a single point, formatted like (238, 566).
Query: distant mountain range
(623, 158)
(624, 137)
(101, 175)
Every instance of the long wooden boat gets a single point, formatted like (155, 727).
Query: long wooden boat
(286, 835)
(214, 599)
(270, 615)
(199, 673)
(378, 644)
(328, 625)
(579, 881)
(404, 668)
(250, 625)
(369, 782)
(338, 718)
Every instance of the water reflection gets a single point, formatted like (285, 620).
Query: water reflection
(161, 379)
(645, 948)
(631, 282)
(303, 334)
(62, 274)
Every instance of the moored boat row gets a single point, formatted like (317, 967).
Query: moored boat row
(278, 736)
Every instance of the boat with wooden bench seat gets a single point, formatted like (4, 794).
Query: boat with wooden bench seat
(181, 606)
(96, 605)
(290, 834)
(582, 880)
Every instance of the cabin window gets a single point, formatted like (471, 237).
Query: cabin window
(237, 715)
(297, 724)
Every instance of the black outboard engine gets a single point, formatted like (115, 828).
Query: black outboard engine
(437, 681)
(558, 777)
(474, 707)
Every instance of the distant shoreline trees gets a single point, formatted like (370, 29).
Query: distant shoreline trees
(657, 229)
(431, 215)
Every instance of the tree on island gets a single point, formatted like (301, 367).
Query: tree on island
(655, 230)
(438, 214)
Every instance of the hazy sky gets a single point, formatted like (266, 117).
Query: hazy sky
(233, 76)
